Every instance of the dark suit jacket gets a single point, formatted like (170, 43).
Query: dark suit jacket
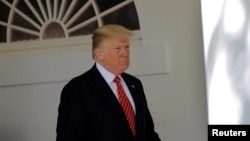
(89, 111)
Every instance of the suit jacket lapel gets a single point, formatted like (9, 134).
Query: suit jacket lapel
(135, 92)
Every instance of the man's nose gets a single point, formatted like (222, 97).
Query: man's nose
(125, 51)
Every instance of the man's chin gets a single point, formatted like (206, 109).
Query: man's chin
(124, 67)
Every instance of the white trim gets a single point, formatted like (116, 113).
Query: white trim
(52, 44)
(57, 67)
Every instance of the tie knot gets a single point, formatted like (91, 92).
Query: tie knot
(117, 80)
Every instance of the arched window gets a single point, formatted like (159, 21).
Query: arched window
(25, 20)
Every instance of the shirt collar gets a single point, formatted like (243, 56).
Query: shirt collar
(108, 76)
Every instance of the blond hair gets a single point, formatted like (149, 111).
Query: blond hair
(108, 32)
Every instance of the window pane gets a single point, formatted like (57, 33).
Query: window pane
(125, 16)
(106, 4)
(86, 30)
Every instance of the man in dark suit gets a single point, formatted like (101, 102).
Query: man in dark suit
(91, 107)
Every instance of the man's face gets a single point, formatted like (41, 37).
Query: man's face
(115, 55)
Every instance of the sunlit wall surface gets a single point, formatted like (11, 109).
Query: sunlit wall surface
(226, 33)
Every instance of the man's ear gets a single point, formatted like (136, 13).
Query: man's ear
(99, 53)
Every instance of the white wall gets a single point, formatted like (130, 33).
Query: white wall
(178, 103)
(177, 99)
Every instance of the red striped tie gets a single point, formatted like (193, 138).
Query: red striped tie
(126, 105)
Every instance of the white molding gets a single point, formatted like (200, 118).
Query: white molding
(55, 67)
(51, 44)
